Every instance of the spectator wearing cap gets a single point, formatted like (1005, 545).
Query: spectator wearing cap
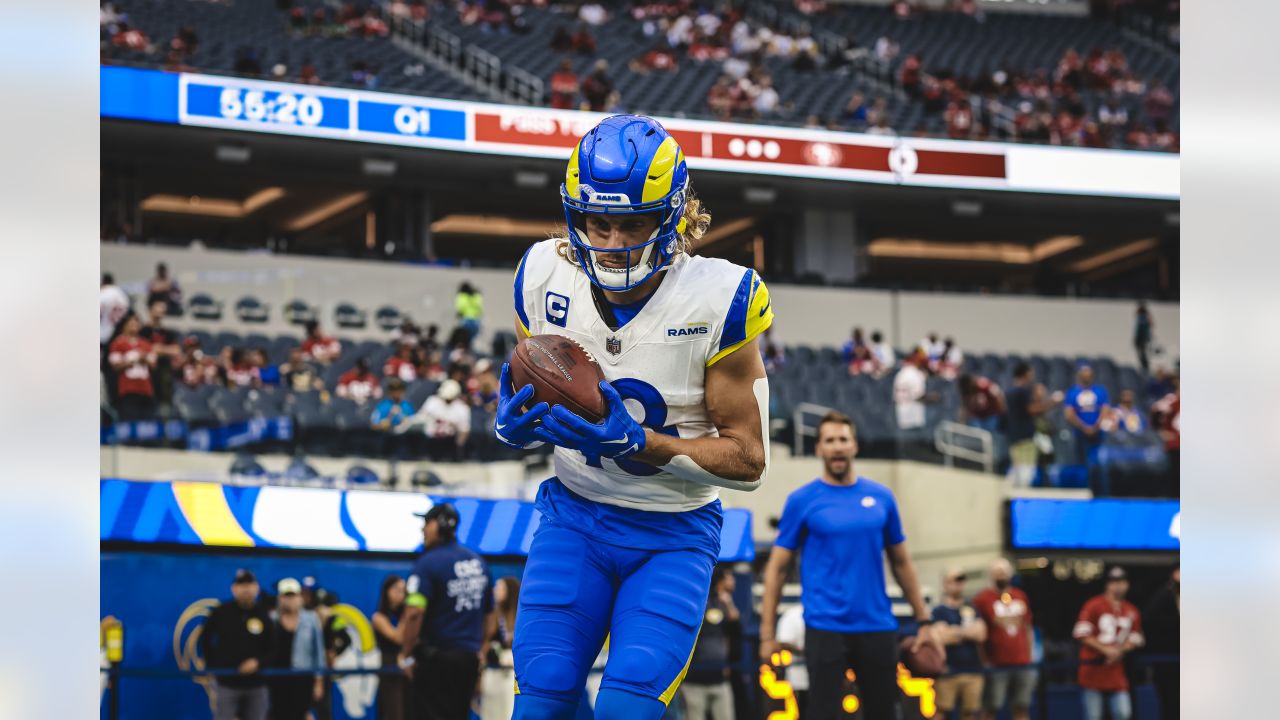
(1006, 611)
(297, 644)
(318, 347)
(393, 692)
(962, 630)
(1108, 628)
(449, 619)
(393, 409)
(446, 421)
(238, 636)
(1085, 405)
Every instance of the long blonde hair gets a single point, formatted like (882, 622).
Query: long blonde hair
(696, 223)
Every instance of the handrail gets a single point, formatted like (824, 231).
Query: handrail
(801, 429)
(944, 441)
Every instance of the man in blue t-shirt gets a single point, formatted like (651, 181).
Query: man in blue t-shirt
(842, 526)
(961, 629)
(448, 619)
(1085, 406)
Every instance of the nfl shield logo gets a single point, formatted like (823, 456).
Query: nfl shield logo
(613, 346)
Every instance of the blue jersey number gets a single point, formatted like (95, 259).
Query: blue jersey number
(655, 417)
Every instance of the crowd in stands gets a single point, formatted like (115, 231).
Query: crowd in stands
(1033, 427)
(147, 364)
(1091, 97)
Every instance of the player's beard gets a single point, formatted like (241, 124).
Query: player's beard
(845, 465)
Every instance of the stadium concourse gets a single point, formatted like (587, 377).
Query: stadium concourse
(311, 216)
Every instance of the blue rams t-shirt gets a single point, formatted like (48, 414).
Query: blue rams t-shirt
(963, 656)
(455, 582)
(1087, 402)
(844, 530)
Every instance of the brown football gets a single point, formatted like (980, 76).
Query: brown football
(925, 662)
(561, 372)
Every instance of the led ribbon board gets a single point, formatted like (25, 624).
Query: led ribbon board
(301, 518)
(414, 121)
(1105, 524)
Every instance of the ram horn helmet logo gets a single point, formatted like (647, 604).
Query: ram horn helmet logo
(186, 642)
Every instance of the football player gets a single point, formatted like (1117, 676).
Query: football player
(630, 528)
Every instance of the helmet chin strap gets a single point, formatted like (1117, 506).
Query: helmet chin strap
(643, 267)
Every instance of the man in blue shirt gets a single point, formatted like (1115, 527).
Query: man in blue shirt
(1085, 406)
(961, 629)
(842, 526)
(393, 409)
(448, 619)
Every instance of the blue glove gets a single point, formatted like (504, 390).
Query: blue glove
(513, 426)
(617, 436)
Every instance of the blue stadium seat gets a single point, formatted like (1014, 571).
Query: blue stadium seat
(347, 315)
(298, 312)
(204, 307)
(252, 310)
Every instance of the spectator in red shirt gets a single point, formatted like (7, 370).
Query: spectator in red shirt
(130, 37)
(318, 347)
(719, 97)
(241, 372)
(1007, 651)
(1108, 628)
(981, 402)
(659, 59)
(564, 86)
(359, 384)
(402, 365)
(132, 359)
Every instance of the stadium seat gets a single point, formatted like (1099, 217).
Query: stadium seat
(264, 405)
(388, 317)
(225, 340)
(361, 475)
(193, 409)
(204, 307)
(347, 315)
(203, 339)
(300, 470)
(228, 407)
(246, 465)
(298, 312)
(258, 341)
(251, 310)
(418, 392)
(425, 479)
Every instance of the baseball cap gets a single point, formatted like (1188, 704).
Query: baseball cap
(309, 582)
(449, 389)
(288, 585)
(1117, 573)
(244, 575)
(444, 513)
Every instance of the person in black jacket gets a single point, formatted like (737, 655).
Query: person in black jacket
(237, 635)
(1161, 620)
(707, 687)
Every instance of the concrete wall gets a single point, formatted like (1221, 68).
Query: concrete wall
(805, 315)
(950, 516)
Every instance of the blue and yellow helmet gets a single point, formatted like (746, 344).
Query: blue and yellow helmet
(626, 165)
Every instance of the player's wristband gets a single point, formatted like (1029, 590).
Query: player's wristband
(925, 622)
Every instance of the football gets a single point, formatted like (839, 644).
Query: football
(925, 662)
(561, 372)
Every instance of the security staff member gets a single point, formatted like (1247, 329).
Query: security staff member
(237, 634)
(449, 616)
(842, 526)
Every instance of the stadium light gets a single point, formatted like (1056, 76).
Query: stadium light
(232, 153)
(378, 166)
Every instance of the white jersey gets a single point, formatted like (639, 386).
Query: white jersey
(704, 309)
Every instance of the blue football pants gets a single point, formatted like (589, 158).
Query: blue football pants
(575, 592)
